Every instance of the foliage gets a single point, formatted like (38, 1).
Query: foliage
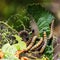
(9, 35)
(49, 51)
(6, 34)
(42, 17)
(19, 22)
(20, 43)
(9, 52)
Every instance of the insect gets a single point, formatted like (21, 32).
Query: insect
(37, 45)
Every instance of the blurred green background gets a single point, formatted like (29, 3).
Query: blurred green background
(10, 7)
(15, 13)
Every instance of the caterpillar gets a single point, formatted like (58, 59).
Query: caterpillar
(40, 45)
(35, 46)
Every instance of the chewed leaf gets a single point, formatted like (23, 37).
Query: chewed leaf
(22, 45)
(18, 38)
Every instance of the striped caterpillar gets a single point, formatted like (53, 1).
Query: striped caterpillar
(33, 46)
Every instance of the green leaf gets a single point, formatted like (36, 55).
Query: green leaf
(20, 46)
(18, 38)
(9, 52)
(42, 17)
(7, 48)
